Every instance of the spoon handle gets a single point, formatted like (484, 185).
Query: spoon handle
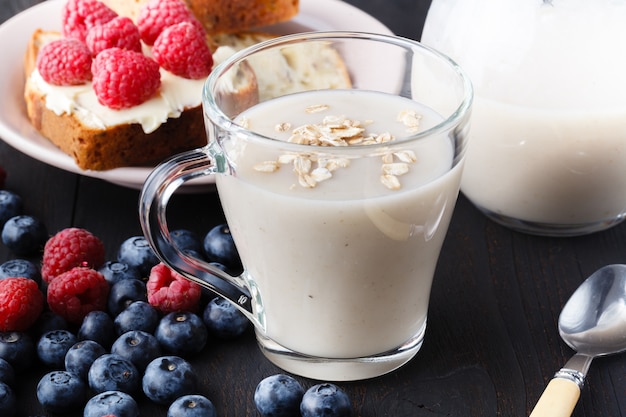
(558, 399)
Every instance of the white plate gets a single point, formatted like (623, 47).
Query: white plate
(16, 130)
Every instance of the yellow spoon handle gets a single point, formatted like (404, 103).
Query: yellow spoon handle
(558, 399)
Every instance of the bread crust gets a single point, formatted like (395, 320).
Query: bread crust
(116, 146)
(232, 16)
(224, 16)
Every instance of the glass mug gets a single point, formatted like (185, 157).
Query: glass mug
(548, 147)
(339, 241)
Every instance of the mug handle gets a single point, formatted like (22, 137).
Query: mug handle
(162, 182)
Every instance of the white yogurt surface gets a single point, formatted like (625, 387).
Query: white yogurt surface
(344, 269)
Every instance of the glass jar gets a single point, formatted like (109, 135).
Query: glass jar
(548, 148)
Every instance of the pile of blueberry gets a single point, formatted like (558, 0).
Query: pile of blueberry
(133, 348)
(130, 348)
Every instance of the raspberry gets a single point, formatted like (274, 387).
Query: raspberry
(120, 32)
(21, 302)
(182, 50)
(168, 291)
(78, 16)
(77, 292)
(123, 78)
(156, 15)
(65, 62)
(70, 248)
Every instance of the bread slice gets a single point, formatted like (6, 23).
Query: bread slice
(98, 138)
(116, 146)
(292, 68)
(224, 16)
(93, 142)
(233, 16)
(70, 125)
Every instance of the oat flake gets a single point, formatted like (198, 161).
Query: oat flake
(341, 131)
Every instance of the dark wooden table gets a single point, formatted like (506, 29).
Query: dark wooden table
(492, 342)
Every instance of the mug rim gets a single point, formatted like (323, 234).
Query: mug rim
(212, 110)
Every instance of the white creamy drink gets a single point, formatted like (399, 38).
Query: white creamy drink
(548, 125)
(343, 259)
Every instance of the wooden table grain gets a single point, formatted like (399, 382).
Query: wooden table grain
(492, 342)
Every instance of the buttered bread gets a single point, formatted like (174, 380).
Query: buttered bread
(99, 138)
(170, 121)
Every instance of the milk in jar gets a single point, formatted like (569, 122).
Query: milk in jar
(548, 142)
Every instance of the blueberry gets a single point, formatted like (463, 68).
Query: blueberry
(24, 234)
(18, 349)
(111, 372)
(167, 378)
(114, 403)
(192, 406)
(10, 206)
(47, 321)
(139, 315)
(61, 392)
(7, 373)
(219, 246)
(97, 326)
(278, 396)
(124, 293)
(182, 333)
(53, 346)
(325, 400)
(20, 268)
(137, 346)
(8, 402)
(114, 271)
(81, 355)
(186, 240)
(136, 252)
(223, 319)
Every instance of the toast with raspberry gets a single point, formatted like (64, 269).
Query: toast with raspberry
(109, 121)
(100, 138)
(95, 143)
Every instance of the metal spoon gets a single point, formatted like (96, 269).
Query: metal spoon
(593, 323)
